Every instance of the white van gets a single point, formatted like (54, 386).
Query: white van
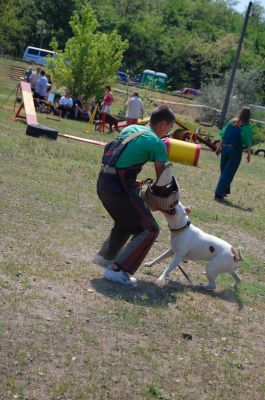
(36, 55)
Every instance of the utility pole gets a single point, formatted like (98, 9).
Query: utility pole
(233, 71)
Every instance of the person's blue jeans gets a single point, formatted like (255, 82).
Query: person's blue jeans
(230, 161)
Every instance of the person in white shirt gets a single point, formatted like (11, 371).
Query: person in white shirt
(135, 109)
(41, 86)
(34, 77)
(66, 105)
(40, 91)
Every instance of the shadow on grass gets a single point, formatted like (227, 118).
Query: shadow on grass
(149, 294)
(229, 294)
(236, 206)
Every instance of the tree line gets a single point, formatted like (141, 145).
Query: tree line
(193, 41)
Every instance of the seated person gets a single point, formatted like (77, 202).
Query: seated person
(86, 114)
(65, 105)
(79, 108)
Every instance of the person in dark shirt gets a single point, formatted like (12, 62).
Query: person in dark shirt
(28, 74)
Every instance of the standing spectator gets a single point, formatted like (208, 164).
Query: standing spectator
(34, 77)
(135, 109)
(66, 105)
(28, 74)
(49, 86)
(41, 90)
(116, 188)
(235, 136)
(108, 99)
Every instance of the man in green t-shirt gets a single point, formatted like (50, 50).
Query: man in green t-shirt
(116, 188)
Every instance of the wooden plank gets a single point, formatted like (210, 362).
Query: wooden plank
(28, 103)
(79, 139)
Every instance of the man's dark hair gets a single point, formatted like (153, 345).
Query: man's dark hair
(162, 113)
(42, 72)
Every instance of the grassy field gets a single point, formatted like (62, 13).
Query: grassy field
(67, 334)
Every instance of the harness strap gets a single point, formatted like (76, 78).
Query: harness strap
(134, 136)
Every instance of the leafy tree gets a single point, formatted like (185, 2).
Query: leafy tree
(16, 25)
(246, 89)
(90, 59)
(41, 31)
(192, 41)
(57, 15)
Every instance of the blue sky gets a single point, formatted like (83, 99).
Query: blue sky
(242, 5)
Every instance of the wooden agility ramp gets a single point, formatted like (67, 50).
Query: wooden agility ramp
(27, 104)
(33, 127)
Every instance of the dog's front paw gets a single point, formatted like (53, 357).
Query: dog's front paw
(162, 278)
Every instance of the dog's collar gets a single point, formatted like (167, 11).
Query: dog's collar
(180, 229)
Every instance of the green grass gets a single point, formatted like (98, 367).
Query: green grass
(68, 334)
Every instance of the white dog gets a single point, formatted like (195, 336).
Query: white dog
(191, 243)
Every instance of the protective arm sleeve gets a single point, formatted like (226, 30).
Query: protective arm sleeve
(159, 167)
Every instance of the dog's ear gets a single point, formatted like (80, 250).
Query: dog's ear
(188, 210)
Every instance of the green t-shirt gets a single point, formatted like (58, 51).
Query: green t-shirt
(147, 147)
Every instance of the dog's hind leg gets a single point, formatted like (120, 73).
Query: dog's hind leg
(212, 271)
(236, 278)
(218, 266)
(157, 260)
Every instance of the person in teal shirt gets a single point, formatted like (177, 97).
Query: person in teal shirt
(235, 137)
(117, 190)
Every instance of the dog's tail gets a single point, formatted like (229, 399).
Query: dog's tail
(237, 254)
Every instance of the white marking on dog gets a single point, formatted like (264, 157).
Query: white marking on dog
(192, 243)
